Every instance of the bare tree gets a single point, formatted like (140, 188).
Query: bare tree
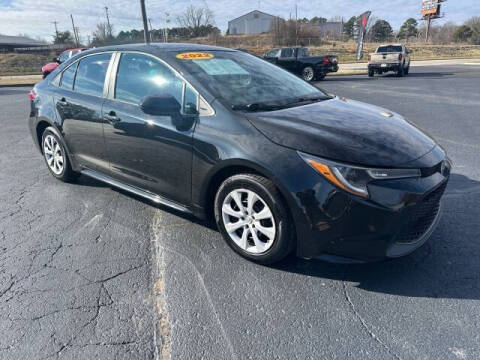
(195, 17)
(102, 35)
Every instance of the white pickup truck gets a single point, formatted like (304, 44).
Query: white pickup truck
(389, 58)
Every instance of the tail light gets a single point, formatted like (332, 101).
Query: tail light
(32, 94)
(369, 57)
(326, 60)
(400, 57)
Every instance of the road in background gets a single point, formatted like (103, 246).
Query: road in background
(84, 275)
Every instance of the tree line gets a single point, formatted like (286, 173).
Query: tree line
(199, 22)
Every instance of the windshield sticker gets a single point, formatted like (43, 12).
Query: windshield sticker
(195, 56)
(221, 67)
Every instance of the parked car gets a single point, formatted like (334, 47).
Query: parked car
(298, 61)
(64, 56)
(389, 58)
(279, 164)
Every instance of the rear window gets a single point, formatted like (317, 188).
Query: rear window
(91, 74)
(389, 48)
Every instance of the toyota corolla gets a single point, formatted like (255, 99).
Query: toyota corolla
(280, 165)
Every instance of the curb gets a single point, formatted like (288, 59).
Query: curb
(17, 85)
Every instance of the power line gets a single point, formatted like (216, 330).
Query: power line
(74, 31)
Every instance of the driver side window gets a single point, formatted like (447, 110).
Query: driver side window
(139, 76)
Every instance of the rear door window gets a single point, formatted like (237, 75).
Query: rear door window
(286, 53)
(68, 76)
(91, 73)
(139, 76)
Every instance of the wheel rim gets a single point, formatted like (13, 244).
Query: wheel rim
(53, 154)
(308, 73)
(248, 221)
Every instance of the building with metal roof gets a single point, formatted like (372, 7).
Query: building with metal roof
(254, 22)
(9, 43)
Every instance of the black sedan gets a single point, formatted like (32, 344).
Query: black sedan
(279, 164)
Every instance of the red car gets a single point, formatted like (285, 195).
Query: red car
(64, 56)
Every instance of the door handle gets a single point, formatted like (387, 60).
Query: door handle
(63, 101)
(111, 117)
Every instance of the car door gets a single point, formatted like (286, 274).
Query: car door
(153, 153)
(78, 102)
(287, 59)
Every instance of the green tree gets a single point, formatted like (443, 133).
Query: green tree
(462, 33)
(381, 31)
(408, 29)
(349, 26)
(63, 37)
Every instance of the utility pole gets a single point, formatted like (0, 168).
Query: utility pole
(74, 31)
(146, 33)
(151, 29)
(296, 24)
(56, 29)
(109, 27)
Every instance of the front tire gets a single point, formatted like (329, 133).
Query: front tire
(308, 73)
(56, 157)
(253, 218)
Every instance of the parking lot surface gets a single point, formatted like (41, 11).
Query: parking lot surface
(91, 272)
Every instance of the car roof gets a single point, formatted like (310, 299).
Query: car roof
(159, 48)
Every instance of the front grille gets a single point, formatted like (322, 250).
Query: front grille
(420, 217)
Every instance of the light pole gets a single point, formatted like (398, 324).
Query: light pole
(146, 33)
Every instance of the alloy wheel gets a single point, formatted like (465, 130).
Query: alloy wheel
(53, 154)
(248, 221)
(308, 74)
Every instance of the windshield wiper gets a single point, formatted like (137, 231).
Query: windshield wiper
(270, 107)
(256, 107)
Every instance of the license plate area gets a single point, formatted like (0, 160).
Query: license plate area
(384, 65)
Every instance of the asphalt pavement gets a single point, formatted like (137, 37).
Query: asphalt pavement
(91, 272)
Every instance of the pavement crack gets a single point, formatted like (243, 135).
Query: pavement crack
(364, 324)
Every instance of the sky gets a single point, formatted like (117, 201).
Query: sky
(35, 18)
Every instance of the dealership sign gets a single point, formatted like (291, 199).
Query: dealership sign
(430, 7)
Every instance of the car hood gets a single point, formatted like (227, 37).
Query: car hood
(50, 66)
(347, 131)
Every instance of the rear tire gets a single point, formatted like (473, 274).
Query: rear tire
(401, 70)
(308, 73)
(371, 72)
(259, 225)
(56, 157)
(407, 70)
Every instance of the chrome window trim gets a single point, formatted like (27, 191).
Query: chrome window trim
(76, 62)
(209, 111)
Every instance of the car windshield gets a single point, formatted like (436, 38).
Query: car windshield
(389, 48)
(245, 82)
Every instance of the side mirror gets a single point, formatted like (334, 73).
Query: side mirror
(161, 105)
(56, 59)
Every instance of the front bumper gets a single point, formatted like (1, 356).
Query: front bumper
(398, 218)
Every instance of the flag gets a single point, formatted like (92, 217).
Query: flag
(362, 29)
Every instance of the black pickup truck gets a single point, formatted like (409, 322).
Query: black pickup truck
(298, 61)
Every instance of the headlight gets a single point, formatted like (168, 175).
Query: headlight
(354, 179)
